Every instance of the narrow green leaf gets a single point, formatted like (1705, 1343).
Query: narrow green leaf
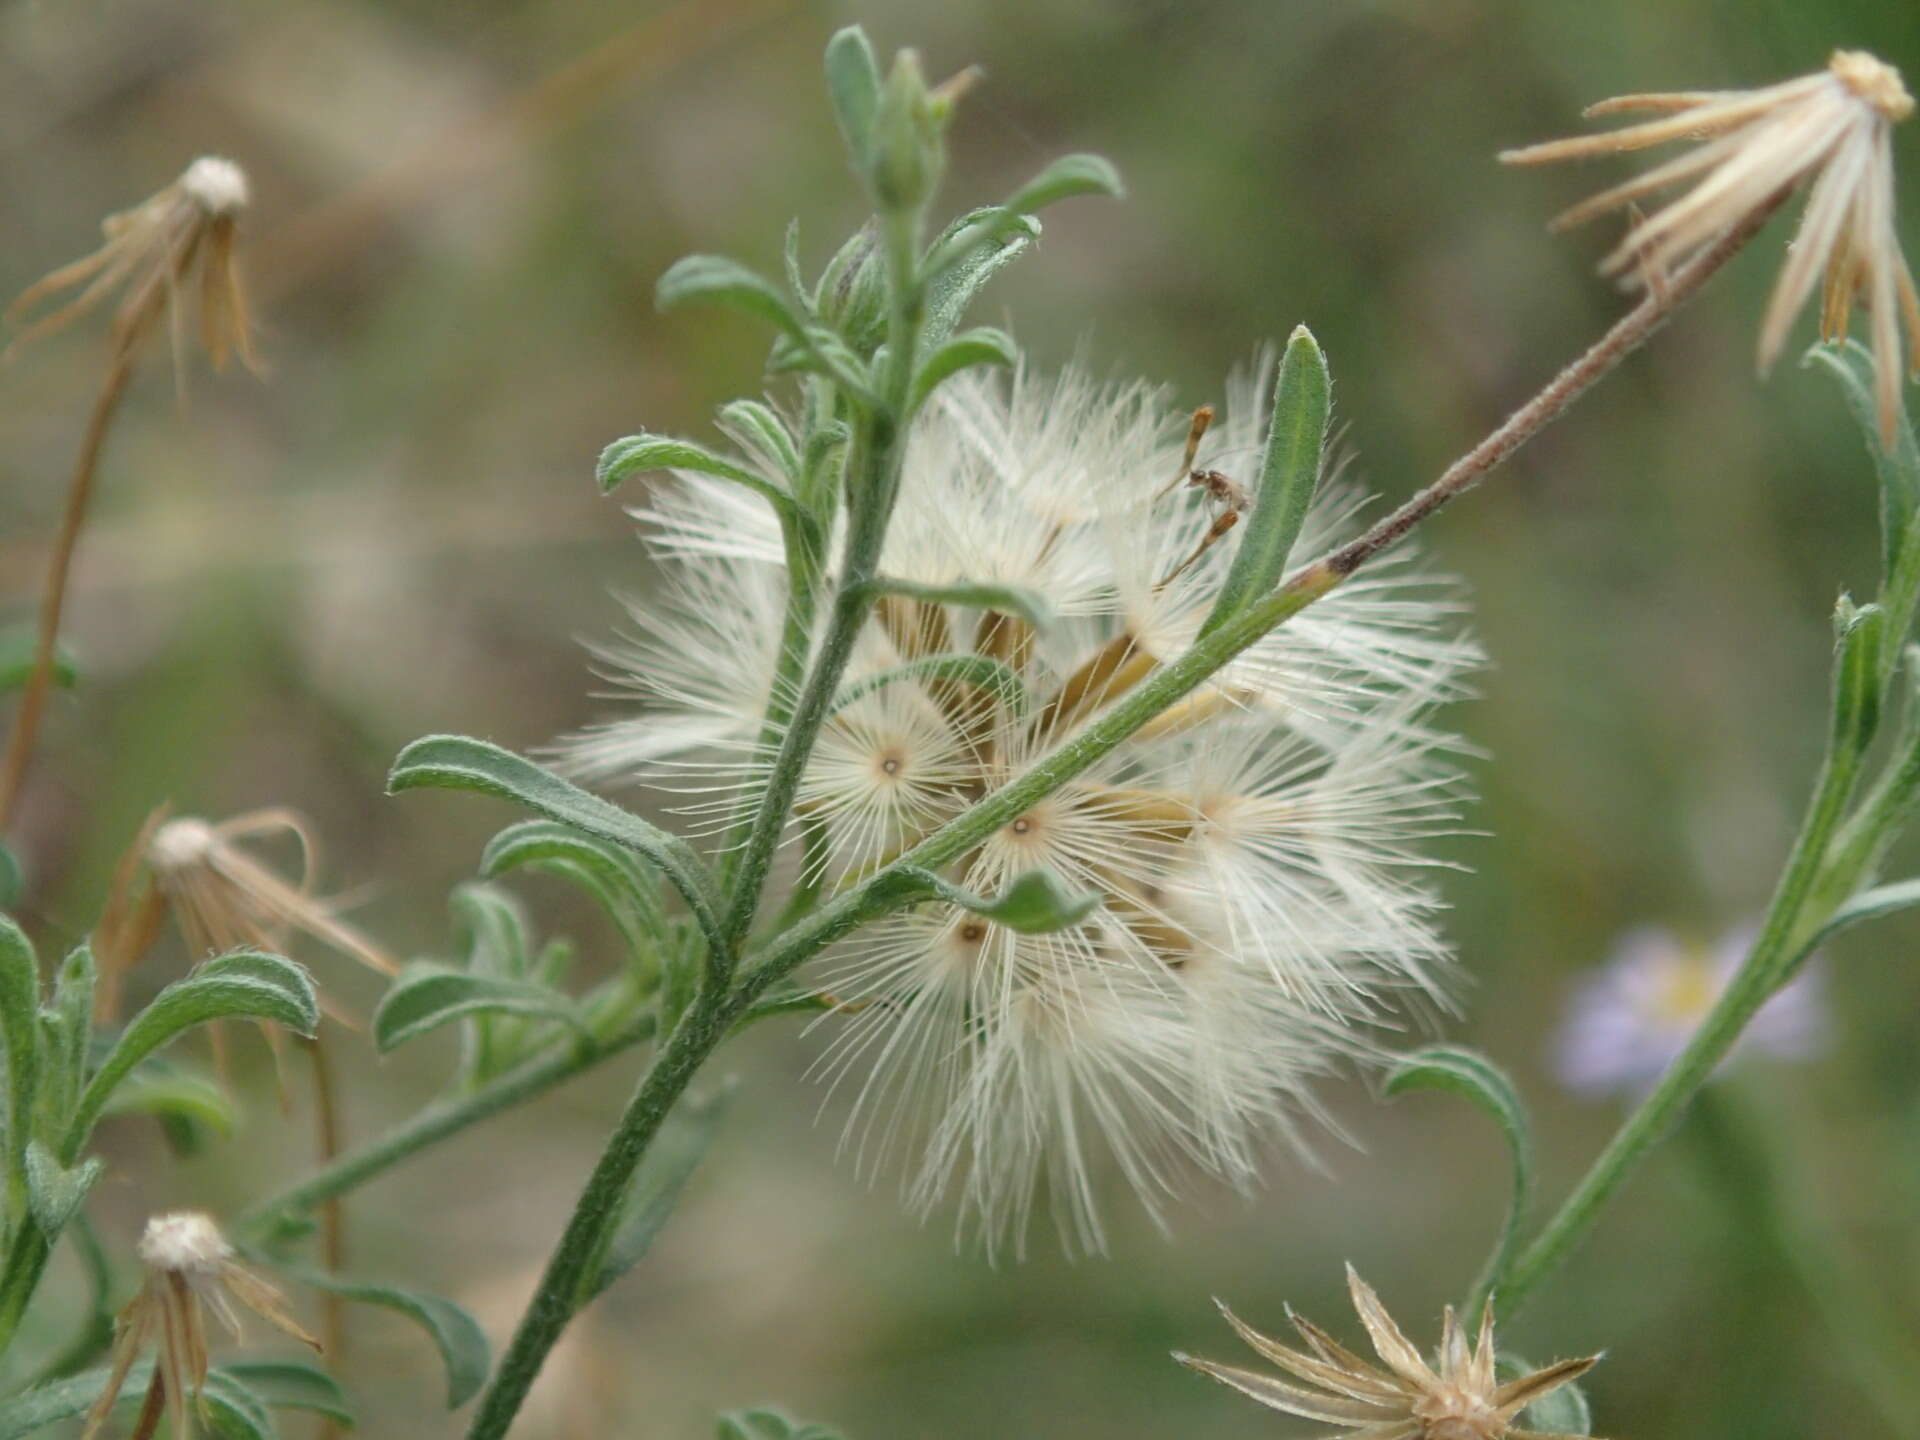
(973, 250)
(853, 85)
(456, 1334)
(1033, 904)
(1289, 474)
(1859, 673)
(1898, 468)
(55, 1192)
(716, 280)
(636, 454)
(1016, 600)
(1068, 176)
(607, 872)
(982, 346)
(66, 1041)
(851, 294)
(12, 882)
(1867, 905)
(17, 650)
(821, 351)
(290, 1385)
(493, 930)
(1561, 1412)
(246, 985)
(19, 1036)
(457, 762)
(982, 672)
(758, 428)
(428, 996)
(1471, 1075)
(670, 1163)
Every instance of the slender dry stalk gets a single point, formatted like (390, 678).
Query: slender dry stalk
(185, 234)
(53, 595)
(1628, 334)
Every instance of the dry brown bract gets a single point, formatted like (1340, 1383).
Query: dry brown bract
(1834, 128)
(190, 1270)
(1409, 1399)
(154, 251)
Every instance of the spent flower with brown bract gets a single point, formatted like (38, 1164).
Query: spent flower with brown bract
(1458, 1398)
(190, 1271)
(226, 898)
(184, 238)
(1834, 129)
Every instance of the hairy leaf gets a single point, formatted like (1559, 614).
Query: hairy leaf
(716, 280)
(1068, 176)
(982, 346)
(19, 1036)
(1032, 905)
(55, 1192)
(246, 985)
(606, 871)
(853, 85)
(1471, 1075)
(1289, 474)
(428, 996)
(456, 762)
(455, 1333)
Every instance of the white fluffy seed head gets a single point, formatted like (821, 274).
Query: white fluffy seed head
(216, 185)
(185, 1242)
(1256, 851)
(181, 844)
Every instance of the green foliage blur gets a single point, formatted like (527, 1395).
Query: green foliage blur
(460, 211)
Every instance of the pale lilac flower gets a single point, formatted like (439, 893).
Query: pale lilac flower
(1630, 1020)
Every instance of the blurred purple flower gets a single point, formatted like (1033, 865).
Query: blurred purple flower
(1631, 1018)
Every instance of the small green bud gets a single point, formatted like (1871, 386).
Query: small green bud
(852, 294)
(909, 149)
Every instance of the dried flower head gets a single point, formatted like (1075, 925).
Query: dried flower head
(1628, 1021)
(180, 239)
(1255, 850)
(224, 898)
(1459, 1398)
(190, 1270)
(1834, 128)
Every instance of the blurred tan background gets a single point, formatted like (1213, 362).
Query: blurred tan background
(460, 213)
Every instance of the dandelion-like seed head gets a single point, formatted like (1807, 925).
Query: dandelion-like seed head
(177, 249)
(216, 185)
(1456, 1397)
(1830, 131)
(179, 844)
(191, 1272)
(1874, 81)
(224, 897)
(186, 1242)
(1254, 850)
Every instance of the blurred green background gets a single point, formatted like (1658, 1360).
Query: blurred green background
(460, 213)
